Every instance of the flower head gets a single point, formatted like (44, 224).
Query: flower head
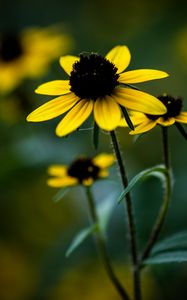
(174, 114)
(96, 83)
(28, 54)
(83, 171)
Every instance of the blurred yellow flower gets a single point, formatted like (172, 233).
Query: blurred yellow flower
(89, 281)
(174, 114)
(17, 276)
(28, 54)
(97, 84)
(180, 45)
(82, 171)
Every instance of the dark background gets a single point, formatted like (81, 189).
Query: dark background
(35, 231)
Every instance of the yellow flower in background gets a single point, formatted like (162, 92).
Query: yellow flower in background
(174, 114)
(97, 84)
(88, 282)
(28, 54)
(82, 171)
(180, 45)
(13, 106)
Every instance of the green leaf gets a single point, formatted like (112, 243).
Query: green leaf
(86, 129)
(181, 130)
(96, 135)
(60, 194)
(105, 210)
(80, 238)
(177, 241)
(137, 137)
(127, 118)
(157, 171)
(167, 257)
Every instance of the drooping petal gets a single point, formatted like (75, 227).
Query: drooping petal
(103, 173)
(67, 62)
(104, 160)
(53, 108)
(141, 75)
(107, 113)
(120, 56)
(166, 122)
(87, 181)
(59, 182)
(54, 88)
(182, 117)
(139, 101)
(143, 127)
(136, 118)
(57, 170)
(74, 119)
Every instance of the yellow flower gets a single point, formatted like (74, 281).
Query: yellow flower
(28, 54)
(174, 114)
(82, 171)
(97, 84)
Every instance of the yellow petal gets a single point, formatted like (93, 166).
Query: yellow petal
(59, 182)
(182, 117)
(75, 117)
(67, 62)
(141, 75)
(166, 122)
(107, 113)
(145, 126)
(87, 181)
(139, 101)
(103, 173)
(120, 56)
(53, 108)
(103, 160)
(54, 88)
(136, 118)
(57, 170)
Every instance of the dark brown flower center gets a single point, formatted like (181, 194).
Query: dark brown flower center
(93, 76)
(83, 168)
(173, 105)
(10, 47)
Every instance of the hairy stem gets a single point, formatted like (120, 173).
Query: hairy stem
(130, 216)
(166, 199)
(100, 241)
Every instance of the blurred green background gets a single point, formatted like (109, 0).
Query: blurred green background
(34, 231)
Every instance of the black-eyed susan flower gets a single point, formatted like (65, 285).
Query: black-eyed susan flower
(97, 84)
(174, 115)
(28, 54)
(82, 171)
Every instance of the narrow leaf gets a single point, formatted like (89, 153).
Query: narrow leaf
(96, 135)
(127, 118)
(80, 238)
(175, 242)
(131, 86)
(137, 137)
(181, 130)
(86, 129)
(157, 171)
(60, 194)
(167, 257)
(105, 210)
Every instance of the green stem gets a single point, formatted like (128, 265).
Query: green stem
(131, 222)
(166, 200)
(102, 247)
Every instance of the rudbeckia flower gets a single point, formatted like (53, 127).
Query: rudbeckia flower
(28, 54)
(173, 115)
(83, 171)
(97, 84)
